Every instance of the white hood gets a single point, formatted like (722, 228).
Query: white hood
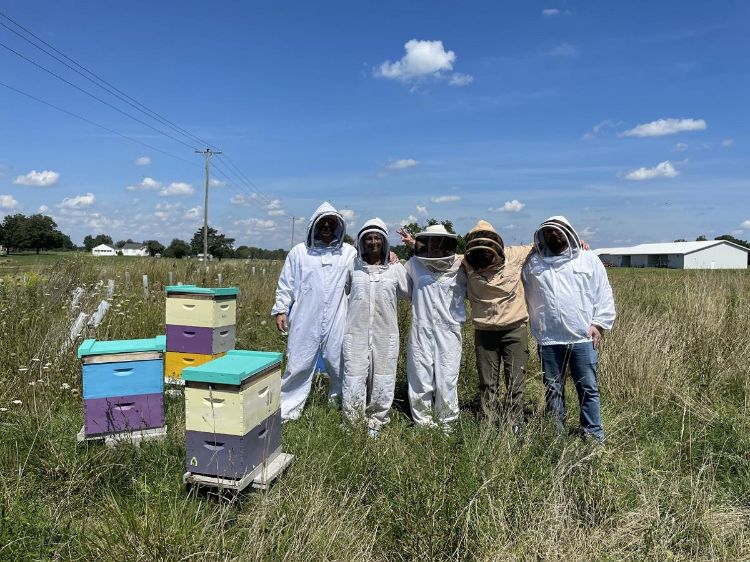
(326, 209)
(377, 226)
(560, 223)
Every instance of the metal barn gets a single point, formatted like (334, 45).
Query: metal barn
(711, 254)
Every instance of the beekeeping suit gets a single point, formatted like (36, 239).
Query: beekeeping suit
(438, 292)
(566, 293)
(371, 339)
(311, 293)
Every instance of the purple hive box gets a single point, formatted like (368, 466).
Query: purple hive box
(123, 413)
(194, 339)
(232, 456)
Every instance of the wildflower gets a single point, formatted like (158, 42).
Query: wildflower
(16, 402)
(23, 369)
(35, 359)
(64, 386)
(262, 322)
(3, 409)
(74, 391)
(32, 383)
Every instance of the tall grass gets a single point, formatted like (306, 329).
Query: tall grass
(673, 482)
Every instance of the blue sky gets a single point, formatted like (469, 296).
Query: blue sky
(629, 118)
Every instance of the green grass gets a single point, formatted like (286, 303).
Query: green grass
(673, 482)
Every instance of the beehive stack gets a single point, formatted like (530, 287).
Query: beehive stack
(123, 385)
(200, 326)
(232, 416)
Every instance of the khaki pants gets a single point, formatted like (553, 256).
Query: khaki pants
(511, 349)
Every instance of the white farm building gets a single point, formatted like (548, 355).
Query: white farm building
(711, 254)
(103, 250)
(132, 249)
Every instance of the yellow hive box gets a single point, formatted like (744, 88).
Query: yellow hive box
(201, 312)
(231, 410)
(175, 362)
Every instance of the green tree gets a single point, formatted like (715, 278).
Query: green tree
(154, 247)
(91, 242)
(701, 238)
(680, 240)
(13, 232)
(219, 245)
(177, 249)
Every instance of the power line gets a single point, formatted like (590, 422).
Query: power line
(53, 73)
(94, 123)
(108, 87)
(232, 168)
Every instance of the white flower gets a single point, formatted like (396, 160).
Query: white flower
(64, 386)
(3, 409)
(23, 369)
(32, 383)
(16, 402)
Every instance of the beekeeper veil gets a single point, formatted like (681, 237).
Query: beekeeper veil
(326, 210)
(556, 239)
(435, 248)
(374, 226)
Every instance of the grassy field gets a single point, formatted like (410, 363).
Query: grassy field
(673, 482)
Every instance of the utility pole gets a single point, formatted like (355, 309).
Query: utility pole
(207, 153)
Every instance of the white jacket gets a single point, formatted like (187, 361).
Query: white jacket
(566, 293)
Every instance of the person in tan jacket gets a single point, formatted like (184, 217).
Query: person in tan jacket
(498, 311)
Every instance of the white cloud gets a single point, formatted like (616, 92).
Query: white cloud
(276, 212)
(45, 178)
(745, 225)
(43, 209)
(445, 198)
(680, 147)
(77, 202)
(662, 127)
(423, 59)
(402, 164)
(348, 215)
(460, 79)
(244, 200)
(588, 232)
(422, 211)
(563, 50)
(598, 128)
(8, 202)
(550, 12)
(255, 224)
(726, 143)
(143, 161)
(216, 183)
(148, 184)
(177, 188)
(662, 170)
(193, 213)
(408, 220)
(514, 206)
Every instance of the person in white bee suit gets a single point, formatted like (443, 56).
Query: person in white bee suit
(438, 293)
(570, 305)
(371, 339)
(311, 305)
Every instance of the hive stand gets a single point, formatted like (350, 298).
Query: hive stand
(132, 437)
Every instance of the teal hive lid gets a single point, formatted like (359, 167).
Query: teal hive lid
(235, 367)
(196, 290)
(94, 347)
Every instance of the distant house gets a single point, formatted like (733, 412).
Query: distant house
(103, 250)
(711, 254)
(131, 249)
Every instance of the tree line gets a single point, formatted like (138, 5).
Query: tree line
(19, 233)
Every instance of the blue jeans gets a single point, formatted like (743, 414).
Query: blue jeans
(582, 360)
